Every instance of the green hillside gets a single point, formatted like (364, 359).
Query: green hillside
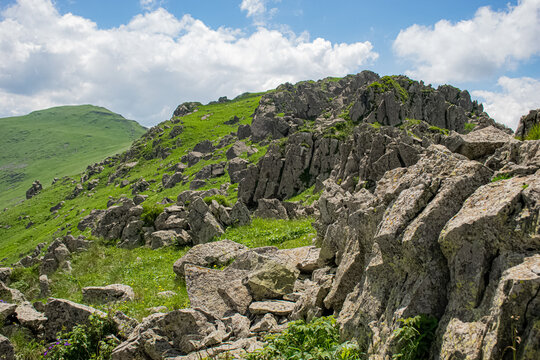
(55, 142)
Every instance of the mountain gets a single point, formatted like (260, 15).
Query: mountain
(55, 142)
(403, 210)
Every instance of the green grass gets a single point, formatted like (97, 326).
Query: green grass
(439, 130)
(56, 142)
(388, 83)
(501, 177)
(534, 133)
(17, 239)
(469, 127)
(285, 234)
(147, 271)
(307, 197)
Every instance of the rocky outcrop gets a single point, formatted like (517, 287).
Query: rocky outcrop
(34, 189)
(527, 122)
(63, 315)
(186, 108)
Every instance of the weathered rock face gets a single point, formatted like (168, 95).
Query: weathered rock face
(483, 142)
(6, 349)
(527, 122)
(366, 97)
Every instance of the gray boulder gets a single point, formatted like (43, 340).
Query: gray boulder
(63, 315)
(271, 280)
(5, 274)
(276, 307)
(107, 294)
(237, 169)
(240, 214)
(57, 206)
(204, 147)
(204, 226)
(244, 131)
(211, 171)
(6, 349)
(6, 311)
(175, 131)
(30, 318)
(238, 149)
(481, 143)
(208, 255)
(271, 209)
(169, 181)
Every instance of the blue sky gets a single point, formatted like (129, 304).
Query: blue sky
(141, 58)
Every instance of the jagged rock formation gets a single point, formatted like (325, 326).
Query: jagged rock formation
(417, 215)
(34, 189)
(527, 122)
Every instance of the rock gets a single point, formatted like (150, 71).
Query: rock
(34, 189)
(57, 206)
(237, 169)
(6, 310)
(6, 348)
(30, 318)
(483, 142)
(197, 184)
(171, 181)
(244, 131)
(239, 325)
(192, 158)
(276, 307)
(527, 122)
(92, 184)
(124, 183)
(78, 244)
(220, 292)
(166, 294)
(211, 171)
(238, 149)
(139, 186)
(107, 294)
(272, 280)
(164, 238)
(176, 130)
(44, 286)
(208, 255)
(5, 274)
(111, 222)
(204, 226)
(240, 214)
(139, 199)
(267, 324)
(271, 209)
(11, 295)
(63, 315)
(76, 192)
(204, 147)
(311, 261)
(234, 120)
(186, 108)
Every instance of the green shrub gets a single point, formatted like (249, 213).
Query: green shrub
(469, 127)
(414, 337)
(26, 347)
(221, 199)
(150, 213)
(317, 340)
(92, 341)
(502, 177)
(440, 130)
(534, 133)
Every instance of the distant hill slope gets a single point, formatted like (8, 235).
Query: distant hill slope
(56, 142)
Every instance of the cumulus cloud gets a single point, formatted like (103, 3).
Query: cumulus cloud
(472, 49)
(150, 4)
(145, 68)
(518, 96)
(258, 10)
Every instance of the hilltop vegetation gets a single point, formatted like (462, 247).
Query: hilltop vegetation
(423, 209)
(56, 142)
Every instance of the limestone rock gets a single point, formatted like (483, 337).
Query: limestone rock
(210, 254)
(271, 209)
(5, 274)
(238, 149)
(29, 317)
(483, 142)
(244, 131)
(164, 238)
(204, 226)
(169, 181)
(6, 310)
(272, 280)
(107, 294)
(237, 169)
(204, 147)
(63, 315)
(6, 349)
(266, 324)
(276, 307)
(240, 214)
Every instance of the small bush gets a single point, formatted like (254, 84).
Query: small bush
(502, 177)
(92, 341)
(534, 133)
(221, 199)
(469, 127)
(317, 340)
(414, 337)
(150, 213)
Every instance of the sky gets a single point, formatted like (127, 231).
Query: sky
(142, 58)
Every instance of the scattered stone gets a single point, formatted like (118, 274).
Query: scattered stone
(276, 307)
(169, 181)
(139, 199)
(44, 286)
(197, 184)
(57, 206)
(107, 294)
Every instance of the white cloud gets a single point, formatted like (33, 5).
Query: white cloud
(150, 4)
(258, 10)
(518, 96)
(145, 68)
(472, 49)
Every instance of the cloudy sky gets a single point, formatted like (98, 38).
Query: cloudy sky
(141, 58)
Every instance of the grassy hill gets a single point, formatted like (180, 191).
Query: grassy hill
(55, 142)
